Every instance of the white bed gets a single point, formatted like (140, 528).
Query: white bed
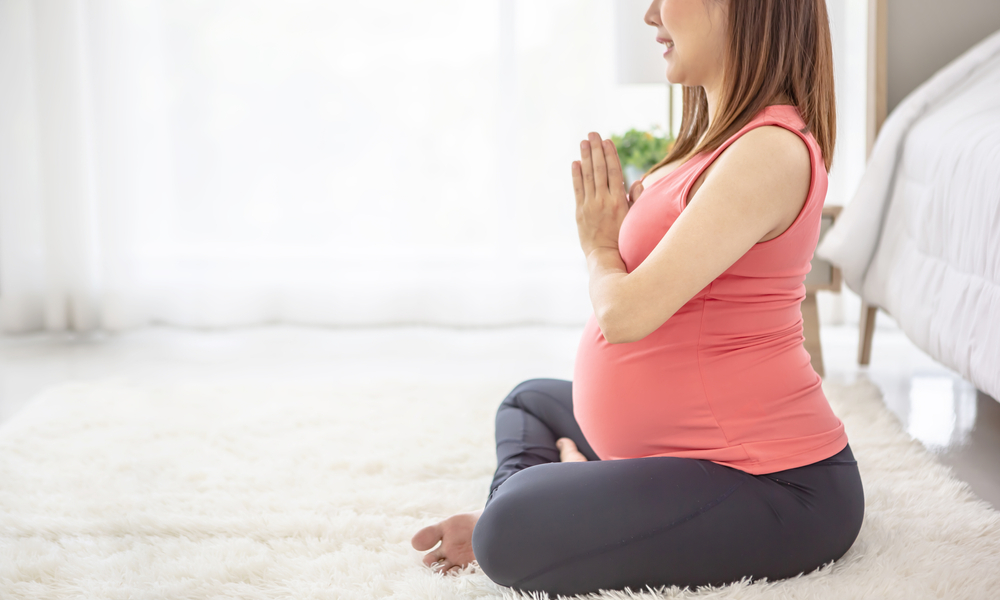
(921, 237)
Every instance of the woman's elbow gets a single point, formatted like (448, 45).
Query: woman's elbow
(615, 331)
(609, 337)
(624, 329)
(623, 340)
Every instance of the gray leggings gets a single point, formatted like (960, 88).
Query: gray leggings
(580, 527)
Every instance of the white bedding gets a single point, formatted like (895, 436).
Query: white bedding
(921, 237)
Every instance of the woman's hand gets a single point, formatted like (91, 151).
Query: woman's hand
(601, 201)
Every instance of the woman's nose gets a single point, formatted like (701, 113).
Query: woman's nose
(650, 17)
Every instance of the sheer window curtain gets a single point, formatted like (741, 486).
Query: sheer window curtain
(218, 163)
(225, 163)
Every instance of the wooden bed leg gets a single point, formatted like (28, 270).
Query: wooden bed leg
(810, 330)
(866, 329)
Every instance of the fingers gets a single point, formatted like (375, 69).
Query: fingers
(578, 183)
(616, 180)
(599, 169)
(600, 164)
(635, 192)
(586, 163)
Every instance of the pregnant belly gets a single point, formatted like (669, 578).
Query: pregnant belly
(643, 398)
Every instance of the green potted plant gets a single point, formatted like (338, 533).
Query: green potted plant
(640, 150)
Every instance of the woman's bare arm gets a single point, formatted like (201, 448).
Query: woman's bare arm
(760, 181)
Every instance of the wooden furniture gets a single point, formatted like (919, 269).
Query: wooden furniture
(878, 36)
(823, 276)
(954, 26)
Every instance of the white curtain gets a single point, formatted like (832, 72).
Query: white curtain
(229, 162)
(217, 163)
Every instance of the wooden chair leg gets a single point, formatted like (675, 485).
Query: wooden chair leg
(810, 330)
(866, 329)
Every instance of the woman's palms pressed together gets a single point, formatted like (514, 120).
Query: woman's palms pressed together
(601, 201)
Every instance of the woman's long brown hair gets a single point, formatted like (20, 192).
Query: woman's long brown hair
(775, 47)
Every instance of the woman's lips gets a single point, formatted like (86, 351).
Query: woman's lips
(669, 44)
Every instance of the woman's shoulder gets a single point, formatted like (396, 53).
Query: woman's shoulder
(779, 115)
(778, 143)
(767, 139)
(778, 133)
(769, 157)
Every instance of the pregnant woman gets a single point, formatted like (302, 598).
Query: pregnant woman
(694, 445)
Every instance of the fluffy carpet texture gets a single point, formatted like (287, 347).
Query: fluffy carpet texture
(111, 489)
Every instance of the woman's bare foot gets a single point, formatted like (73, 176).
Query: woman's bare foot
(568, 451)
(455, 535)
(455, 532)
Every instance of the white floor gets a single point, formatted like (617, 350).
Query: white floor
(936, 405)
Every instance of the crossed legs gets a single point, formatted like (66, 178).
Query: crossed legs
(534, 425)
(577, 527)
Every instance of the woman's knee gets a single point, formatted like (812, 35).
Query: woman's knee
(491, 542)
(531, 390)
(525, 386)
(499, 540)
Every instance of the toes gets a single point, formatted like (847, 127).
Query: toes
(427, 537)
(455, 537)
(444, 567)
(568, 452)
(432, 557)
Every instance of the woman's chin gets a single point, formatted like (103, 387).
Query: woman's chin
(671, 73)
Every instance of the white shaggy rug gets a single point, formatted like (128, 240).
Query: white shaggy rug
(110, 489)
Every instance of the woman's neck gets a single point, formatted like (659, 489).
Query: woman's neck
(713, 94)
(780, 99)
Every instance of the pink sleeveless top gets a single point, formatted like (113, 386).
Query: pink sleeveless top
(726, 378)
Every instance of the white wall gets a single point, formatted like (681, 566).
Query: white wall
(925, 35)
(848, 32)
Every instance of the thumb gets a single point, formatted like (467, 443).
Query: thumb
(635, 192)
